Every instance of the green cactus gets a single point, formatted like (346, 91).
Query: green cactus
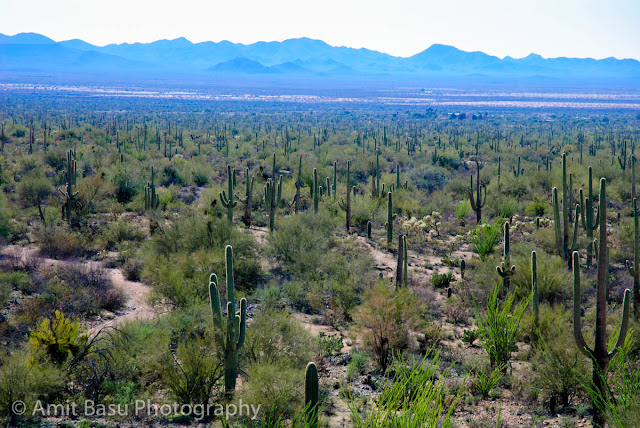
(463, 266)
(316, 190)
(151, 200)
(599, 354)
(390, 217)
(335, 179)
(235, 325)
(227, 198)
(589, 222)
(248, 194)
(400, 273)
(478, 202)
(299, 185)
(70, 180)
(346, 206)
(505, 270)
(517, 171)
(369, 229)
(270, 192)
(311, 395)
(561, 226)
(535, 301)
(634, 270)
(405, 276)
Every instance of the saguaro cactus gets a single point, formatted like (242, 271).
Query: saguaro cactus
(600, 355)
(562, 232)
(505, 270)
(70, 181)
(390, 217)
(634, 270)
(589, 222)
(235, 325)
(151, 200)
(248, 194)
(316, 190)
(478, 202)
(311, 395)
(227, 198)
(270, 201)
(463, 266)
(346, 206)
(535, 301)
(400, 273)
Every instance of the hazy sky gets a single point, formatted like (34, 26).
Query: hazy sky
(579, 28)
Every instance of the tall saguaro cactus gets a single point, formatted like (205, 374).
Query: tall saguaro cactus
(562, 232)
(235, 324)
(634, 270)
(248, 194)
(227, 198)
(505, 270)
(70, 181)
(390, 217)
(270, 192)
(589, 221)
(535, 300)
(346, 206)
(151, 200)
(478, 202)
(316, 190)
(600, 354)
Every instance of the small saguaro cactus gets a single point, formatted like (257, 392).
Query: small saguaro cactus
(346, 206)
(70, 181)
(478, 202)
(589, 221)
(400, 273)
(634, 270)
(270, 201)
(311, 395)
(463, 266)
(235, 325)
(369, 229)
(151, 200)
(227, 197)
(599, 354)
(390, 217)
(248, 194)
(505, 270)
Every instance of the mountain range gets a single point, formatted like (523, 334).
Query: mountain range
(302, 58)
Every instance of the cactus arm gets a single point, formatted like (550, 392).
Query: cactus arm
(596, 221)
(577, 322)
(584, 210)
(624, 324)
(576, 222)
(242, 322)
(229, 269)
(556, 221)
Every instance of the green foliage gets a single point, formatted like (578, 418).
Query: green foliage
(58, 338)
(463, 209)
(329, 345)
(486, 379)
(469, 336)
(485, 237)
(499, 328)
(442, 280)
(358, 365)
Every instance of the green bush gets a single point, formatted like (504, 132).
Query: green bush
(442, 280)
(485, 237)
(58, 338)
(463, 209)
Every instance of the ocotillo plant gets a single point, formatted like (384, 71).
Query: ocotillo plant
(346, 206)
(505, 270)
(599, 354)
(478, 202)
(70, 181)
(270, 201)
(227, 198)
(311, 395)
(248, 194)
(589, 221)
(634, 270)
(316, 190)
(390, 217)
(151, 200)
(235, 325)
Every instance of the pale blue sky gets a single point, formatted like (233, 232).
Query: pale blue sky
(578, 28)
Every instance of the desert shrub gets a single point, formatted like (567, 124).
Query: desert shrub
(469, 336)
(275, 337)
(363, 209)
(171, 176)
(554, 281)
(427, 177)
(124, 186)
(537, 207)
(58, 338)
(484, 379)
(131, 269)
(329, 345)
(442, 280)
(415, 398)
(93, 194)
(499, 328)
(358, 365)
(485, 237)
(386, 317)
(19, 280)
(277, 389)
(463, 209)
(301, 241)
(192, 370)
(456, 312)
(431, 336)
(120, 231)
(22, 379)
(60, 242)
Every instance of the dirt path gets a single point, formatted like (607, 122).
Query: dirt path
(136, 306)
